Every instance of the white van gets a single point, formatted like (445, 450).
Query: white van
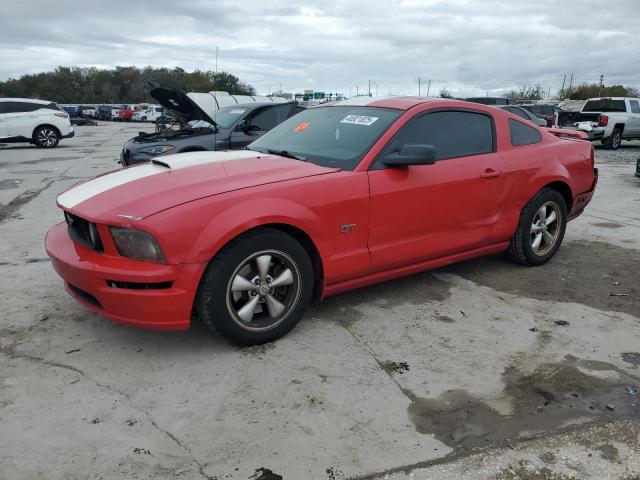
(40, 122)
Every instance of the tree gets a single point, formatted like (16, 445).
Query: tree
(444, 93)
(590, 90)
(120, 85)
(535, 92)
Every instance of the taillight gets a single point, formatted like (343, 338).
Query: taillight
(604, 121)
(62, 114)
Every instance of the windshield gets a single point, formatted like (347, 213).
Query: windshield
(227, 116)
(329, 136)
(604, 105)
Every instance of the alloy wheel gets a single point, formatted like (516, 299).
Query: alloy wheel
(263, 290)
(545, 228)
(47, 137)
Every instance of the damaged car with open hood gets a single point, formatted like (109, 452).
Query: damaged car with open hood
(198, 129)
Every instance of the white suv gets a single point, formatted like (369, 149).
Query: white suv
(148, 114)
(35, 121)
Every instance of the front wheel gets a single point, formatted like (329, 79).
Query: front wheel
(257, 288)
(46, 137)
(541, 228)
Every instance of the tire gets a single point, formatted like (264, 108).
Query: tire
(613, 141)
(143, 119)
(236, 298)
(46, 137)
(532, 230)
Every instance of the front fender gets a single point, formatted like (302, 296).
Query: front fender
(251, 213)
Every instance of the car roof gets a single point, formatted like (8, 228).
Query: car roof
(30, 100)
(399, 102)
(254, 105)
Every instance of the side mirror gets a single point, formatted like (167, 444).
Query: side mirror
(242, 126)
(412, 154)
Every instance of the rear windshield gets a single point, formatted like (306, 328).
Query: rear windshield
(604, 105)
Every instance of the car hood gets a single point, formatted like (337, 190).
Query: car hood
(179, 103)
(137, 192)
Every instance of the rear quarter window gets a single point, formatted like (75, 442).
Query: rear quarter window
(522, 134)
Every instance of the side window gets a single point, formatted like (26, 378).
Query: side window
(522, 134)
(635, 107)
(453, 134)
(518, 112)
(269, 117)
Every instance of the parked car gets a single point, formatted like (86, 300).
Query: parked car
(526, 114)
(71, 110)
(147, 114)
(491, 100)
(86, 111)
(40, 122)
(338, 197)
(227, 128)
(544, 111)
(608, 119)
(103, 112)
(115, 111)
(125, 114)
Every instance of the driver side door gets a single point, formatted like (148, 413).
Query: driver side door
(258, 123)
(422, 212)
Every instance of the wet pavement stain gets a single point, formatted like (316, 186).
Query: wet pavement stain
(584, 272)
(548, 399)
(265, 474)
(10, 183)
(608, 225)
(395, 367)
(631, 357)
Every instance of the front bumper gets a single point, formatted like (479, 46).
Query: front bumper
(89, 276)
(130, 157)
(582, 200)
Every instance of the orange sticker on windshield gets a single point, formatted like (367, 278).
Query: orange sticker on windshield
(301, 127)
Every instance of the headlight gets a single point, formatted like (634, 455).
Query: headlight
(137, 245)
(157, 150)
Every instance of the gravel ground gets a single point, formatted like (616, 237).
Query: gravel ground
(483, 370)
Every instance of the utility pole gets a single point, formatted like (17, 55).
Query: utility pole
(562, 89)
(571, 82)
(418, 86)
(428, 87)
(601, 84)
(369, 88)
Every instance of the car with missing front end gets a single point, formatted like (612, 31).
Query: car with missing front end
(341, 196)
(228, 128)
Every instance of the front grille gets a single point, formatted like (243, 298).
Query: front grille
(84, 232)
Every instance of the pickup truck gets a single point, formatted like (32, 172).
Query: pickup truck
(608, 119)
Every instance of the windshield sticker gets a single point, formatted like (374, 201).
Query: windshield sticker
(359, 120)
(236, 111)
(301, 127)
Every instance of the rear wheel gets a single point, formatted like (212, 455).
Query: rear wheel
(541, 228)
(257, 288)
(613, 141)
(144, 119)
(46, 137)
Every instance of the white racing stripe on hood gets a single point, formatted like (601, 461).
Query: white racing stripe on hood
(98, 185)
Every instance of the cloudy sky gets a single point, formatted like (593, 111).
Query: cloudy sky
(467, 46)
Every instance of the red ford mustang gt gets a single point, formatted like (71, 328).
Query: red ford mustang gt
(335, 198)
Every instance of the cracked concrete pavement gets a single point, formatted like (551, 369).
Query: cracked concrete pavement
(466, 372)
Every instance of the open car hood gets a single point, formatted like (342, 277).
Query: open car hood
(179, 103)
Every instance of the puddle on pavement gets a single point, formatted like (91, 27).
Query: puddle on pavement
(582, 272)
(632, 357)
(553, 397)
(10, 183)
(608, 225)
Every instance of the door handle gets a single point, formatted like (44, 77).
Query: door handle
(490, 173)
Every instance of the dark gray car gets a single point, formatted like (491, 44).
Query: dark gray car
(229, 128)
(526, 114)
